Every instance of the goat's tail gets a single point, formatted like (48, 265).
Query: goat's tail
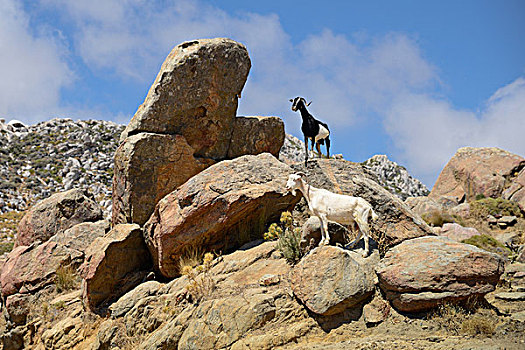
(374, 215)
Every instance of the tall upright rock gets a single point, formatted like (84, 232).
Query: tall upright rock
(187, 123)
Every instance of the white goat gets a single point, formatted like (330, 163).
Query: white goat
(334, 207)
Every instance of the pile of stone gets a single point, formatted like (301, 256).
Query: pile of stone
(53, 156)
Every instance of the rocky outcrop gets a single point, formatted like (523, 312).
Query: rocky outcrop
(30, 268)
(395, 178)
(219, 209)
(55, 215)
(329, 279)
(114, 264)
(195, 95)
(423, 205)
(187, 123)
(396, 222)
(421, 273)
(148, 167)
(255, 135)
(477, 171)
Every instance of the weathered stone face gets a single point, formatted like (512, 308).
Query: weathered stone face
(255, 135)
(148, 167)
(114, 264)
(421, 273)
(331, 279)
(474, 171)
(395, 222)
(195, 95)
(30, 268)
(219, 209)
(56, 214)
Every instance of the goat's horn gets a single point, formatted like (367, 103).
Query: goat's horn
(309, 103)
(301, 174)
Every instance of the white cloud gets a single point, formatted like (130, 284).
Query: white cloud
(32, 67)
(427, 131)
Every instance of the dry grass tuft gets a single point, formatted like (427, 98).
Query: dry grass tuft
(66, 278)
(478, 325)
(201, 283)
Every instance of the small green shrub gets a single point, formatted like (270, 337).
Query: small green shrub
(437, 218)
(481, 208)
(289, 245)
(487, 243)
(6, 247)
(288, 238)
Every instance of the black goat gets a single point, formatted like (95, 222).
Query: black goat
(312, 128)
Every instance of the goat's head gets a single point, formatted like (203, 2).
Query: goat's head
(294, 182)
(296, 102)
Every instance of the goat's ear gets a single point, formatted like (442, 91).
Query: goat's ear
(291, 100)
(309, 103)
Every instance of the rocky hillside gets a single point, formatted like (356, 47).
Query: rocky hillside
(49, 157)
(395, 178)
(39, 160)
(183, 263)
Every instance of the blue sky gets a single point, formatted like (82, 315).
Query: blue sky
(411, 79)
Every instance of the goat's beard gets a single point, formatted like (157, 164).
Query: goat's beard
(293, 192)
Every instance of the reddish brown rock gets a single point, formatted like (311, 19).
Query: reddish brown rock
(148, 167)
(255, 135)
(421, 273)
(56, 214)
(329, 279)
(457, 232)
(219, 209)
(396, 221)
(114, 264)
(195, 95)
(30, 268)
(477, 171)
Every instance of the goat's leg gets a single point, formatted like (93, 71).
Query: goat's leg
(327, 140)
(325, 236)
(318, 148)
(363, 227)
(305, 150)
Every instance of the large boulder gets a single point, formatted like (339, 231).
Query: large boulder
(195, 95)
(114, 264)
(219, 209)
(30, 268)
(56, 214)
(186, 124)
(396, 222)
(148, 167)
(421, 273)
(331, 279)
(477, 171)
